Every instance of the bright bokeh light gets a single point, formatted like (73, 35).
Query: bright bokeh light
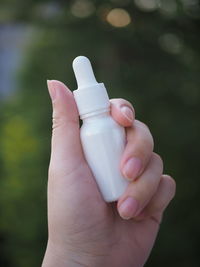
(171, 43)
(147, 5)
(82, 8)
(118, 17)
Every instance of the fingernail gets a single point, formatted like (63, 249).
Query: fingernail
(128, 208)
(132, 168)
(51, 88)
(127, 112)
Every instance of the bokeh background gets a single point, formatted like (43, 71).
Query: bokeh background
(147, 51)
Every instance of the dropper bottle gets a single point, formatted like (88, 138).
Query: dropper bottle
(103, 139)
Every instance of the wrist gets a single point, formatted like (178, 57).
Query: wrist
(66, 257)
(56, 257)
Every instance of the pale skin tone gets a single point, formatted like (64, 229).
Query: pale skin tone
(83, 229)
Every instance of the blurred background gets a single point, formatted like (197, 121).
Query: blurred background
(147, 51)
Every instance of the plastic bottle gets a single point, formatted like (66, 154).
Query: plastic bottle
(103, 140)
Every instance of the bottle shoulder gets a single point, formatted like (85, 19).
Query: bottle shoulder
(100, 125)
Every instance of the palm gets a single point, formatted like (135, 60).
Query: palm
(123, 241)
(135, 240)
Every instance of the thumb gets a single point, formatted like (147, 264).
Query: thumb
(66, 151)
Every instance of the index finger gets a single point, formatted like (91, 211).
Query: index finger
(122, 112)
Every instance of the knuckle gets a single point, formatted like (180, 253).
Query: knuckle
(171, 185)
(55, 171)
(149, 142)
(145, 135)
(158, 160)
(57, 120)
(143, 190)
(142, 125)
(146, 142)
(51, 172)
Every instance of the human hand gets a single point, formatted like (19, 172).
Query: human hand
(83, 229)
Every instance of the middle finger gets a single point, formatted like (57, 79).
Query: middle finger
(138, 150)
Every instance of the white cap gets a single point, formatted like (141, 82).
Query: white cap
(90, 95)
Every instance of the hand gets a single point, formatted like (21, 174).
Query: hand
(83, 229)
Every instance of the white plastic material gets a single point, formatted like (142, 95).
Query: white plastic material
(90, 95)
(103, 140)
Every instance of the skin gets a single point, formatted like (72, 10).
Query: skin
(83, 229)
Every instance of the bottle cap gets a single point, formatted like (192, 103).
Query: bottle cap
(90, 96)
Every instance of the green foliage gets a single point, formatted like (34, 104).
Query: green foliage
(154, 63)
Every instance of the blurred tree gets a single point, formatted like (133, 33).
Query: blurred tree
(145, 51)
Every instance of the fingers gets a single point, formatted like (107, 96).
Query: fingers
(138, 150)
(161, 199)
(122, 111)
(139, 146)
(66, 147)
(141, 191)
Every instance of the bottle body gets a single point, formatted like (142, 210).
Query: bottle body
(103, 142)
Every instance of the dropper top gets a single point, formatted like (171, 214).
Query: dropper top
(83, 72)
(90, 96)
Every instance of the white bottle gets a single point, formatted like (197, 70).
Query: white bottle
(103, 140)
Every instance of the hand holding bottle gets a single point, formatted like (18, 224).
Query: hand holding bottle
(84, 230)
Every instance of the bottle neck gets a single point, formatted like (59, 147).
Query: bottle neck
(96, 114)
